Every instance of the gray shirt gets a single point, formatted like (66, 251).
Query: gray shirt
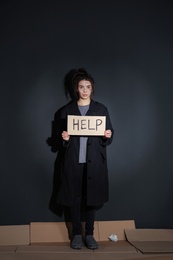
(83, 140)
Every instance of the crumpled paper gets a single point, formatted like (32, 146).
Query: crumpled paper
(113, 238)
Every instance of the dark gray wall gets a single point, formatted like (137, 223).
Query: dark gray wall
(128, 47)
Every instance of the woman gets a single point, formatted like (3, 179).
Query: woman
(84, 178)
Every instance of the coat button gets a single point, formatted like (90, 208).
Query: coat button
(89, 160)
(89, 178)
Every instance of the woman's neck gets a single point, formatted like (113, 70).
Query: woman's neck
(83, 102)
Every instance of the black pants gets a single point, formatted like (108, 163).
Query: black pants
(81, 211)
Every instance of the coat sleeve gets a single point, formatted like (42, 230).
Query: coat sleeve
(54, 140)
(107, 141)
(58, 126)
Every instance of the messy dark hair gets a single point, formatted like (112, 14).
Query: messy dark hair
(81, 74)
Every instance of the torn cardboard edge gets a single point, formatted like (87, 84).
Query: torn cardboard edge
(151, 240)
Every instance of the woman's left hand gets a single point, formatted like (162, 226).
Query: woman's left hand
(107, 133)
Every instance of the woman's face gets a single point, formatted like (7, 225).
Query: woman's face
(84, 89)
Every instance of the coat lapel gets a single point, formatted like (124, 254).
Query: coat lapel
(74, 110)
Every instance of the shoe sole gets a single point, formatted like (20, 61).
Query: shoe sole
(92, 248)
(77, 248)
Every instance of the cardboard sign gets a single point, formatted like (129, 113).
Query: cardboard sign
(86, 125)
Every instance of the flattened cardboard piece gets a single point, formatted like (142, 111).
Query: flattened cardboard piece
(156, 257)
(14, 235)
(114, 256)
(60, 247)
(8, 249)
(47, 232)
(149, 234)
(151, 240)
(53, 232)
(106, 228)
(154, 246)
(73, 255)
(86, 125)
(116, 247)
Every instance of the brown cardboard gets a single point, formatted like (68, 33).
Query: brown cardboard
(86, 125)
(8, 249)
(106, 228)
(45, 232)
(156, 257)
(76, 255)
(42, 232)
(151, 240)
(51, 248)
(53, 232)
(149, 244)
(154, 246)
(104, 247)
(14, 235)
(115, 256)
(120, 246)
(149, 234)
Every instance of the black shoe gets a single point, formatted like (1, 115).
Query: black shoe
(76, 242)
(90, 242)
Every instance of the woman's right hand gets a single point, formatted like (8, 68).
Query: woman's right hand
(65, 136)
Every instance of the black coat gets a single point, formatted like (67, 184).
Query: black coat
(97, 171)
